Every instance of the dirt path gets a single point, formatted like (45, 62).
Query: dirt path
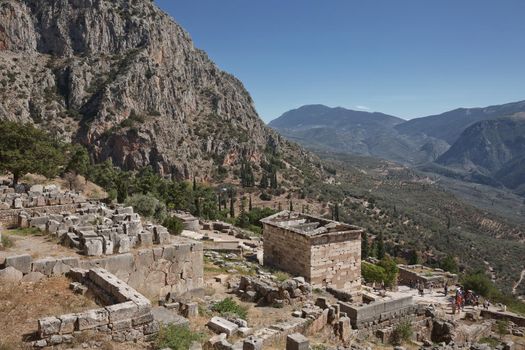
(522, 276)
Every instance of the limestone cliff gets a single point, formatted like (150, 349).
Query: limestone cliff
(121, 77)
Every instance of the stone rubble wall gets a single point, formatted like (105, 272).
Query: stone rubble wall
(36, 196)
(97, 230)
(9, 217)
(128, 319)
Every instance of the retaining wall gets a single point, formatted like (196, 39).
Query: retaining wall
(9, 217)
(129, 318)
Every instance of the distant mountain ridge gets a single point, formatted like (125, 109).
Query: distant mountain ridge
(359, 132)
(448, 126)
(485, 145)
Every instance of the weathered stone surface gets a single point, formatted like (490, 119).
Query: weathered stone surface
(92, 318)
(48, 326)
(32, 277)
(297, 341)
(252, 343)
(44, 266)
(122, 311)
(221, 325)
(93, 247)
(20, 262)
(10, 275)
(67, 323)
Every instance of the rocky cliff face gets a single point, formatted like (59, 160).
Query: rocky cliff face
(124, 79)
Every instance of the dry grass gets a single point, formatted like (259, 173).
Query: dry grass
(22, 305)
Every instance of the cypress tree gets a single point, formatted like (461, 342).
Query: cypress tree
(380, 246)
(291, 206)
(364, 246)
(250, 203)
(232, 209)
(336, 212)
(194, 184)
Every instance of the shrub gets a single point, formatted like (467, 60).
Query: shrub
(230, 306)
(174, 225)
(402, 332)
(148, 206)
(281, 276)
(6, 242)
(372, 273)
(176, 337)
(479, 283)
(265, 196)
(449, 264)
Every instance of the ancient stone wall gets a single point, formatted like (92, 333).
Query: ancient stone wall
(410, 275)
(287, 250)
(155, 272)
(363, 316)
(336, 260)
(325, 260)
(127, 318)
(9, 217)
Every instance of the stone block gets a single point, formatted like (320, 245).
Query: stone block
(10, 275)
(252, 343)
(297, 341)
(220, 325)
(108, 246)
(146, 318)
(32, 277)
(190, 310)
(67, 323)
(120, 325)
(122, 311)
(124, 244)
(93, 247)
(92, 318)
(48, 326)
(146, 238)
(44, 265)
(20, 262)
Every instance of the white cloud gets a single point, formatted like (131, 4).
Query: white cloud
(364, 108)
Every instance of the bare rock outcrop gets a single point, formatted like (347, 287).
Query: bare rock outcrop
(124, 79)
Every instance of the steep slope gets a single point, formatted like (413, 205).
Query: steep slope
(124, 79)
(342, 130)
(492, 148)
(448, 126)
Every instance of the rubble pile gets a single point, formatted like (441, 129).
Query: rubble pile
(97, 230)
(36, 196)
(269, 292)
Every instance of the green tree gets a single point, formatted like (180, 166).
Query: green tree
(336, 212)
(79, 162)
(264, 181)
(364, 246)
(391, 270)
(25, 149)
(232, 208)
(380, 246)
(449, 264)
(174, 225)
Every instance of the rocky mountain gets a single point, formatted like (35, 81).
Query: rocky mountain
(492, 148)
(125, 80)
(448, 126)
(358, 132)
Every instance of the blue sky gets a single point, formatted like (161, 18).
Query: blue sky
(409, 58)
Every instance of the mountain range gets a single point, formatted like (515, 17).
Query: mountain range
(484, 145)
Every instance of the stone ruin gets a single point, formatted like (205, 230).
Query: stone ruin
(96, 229)
(126, 316)
(36, 196)
(269, 292)
(327, 253)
